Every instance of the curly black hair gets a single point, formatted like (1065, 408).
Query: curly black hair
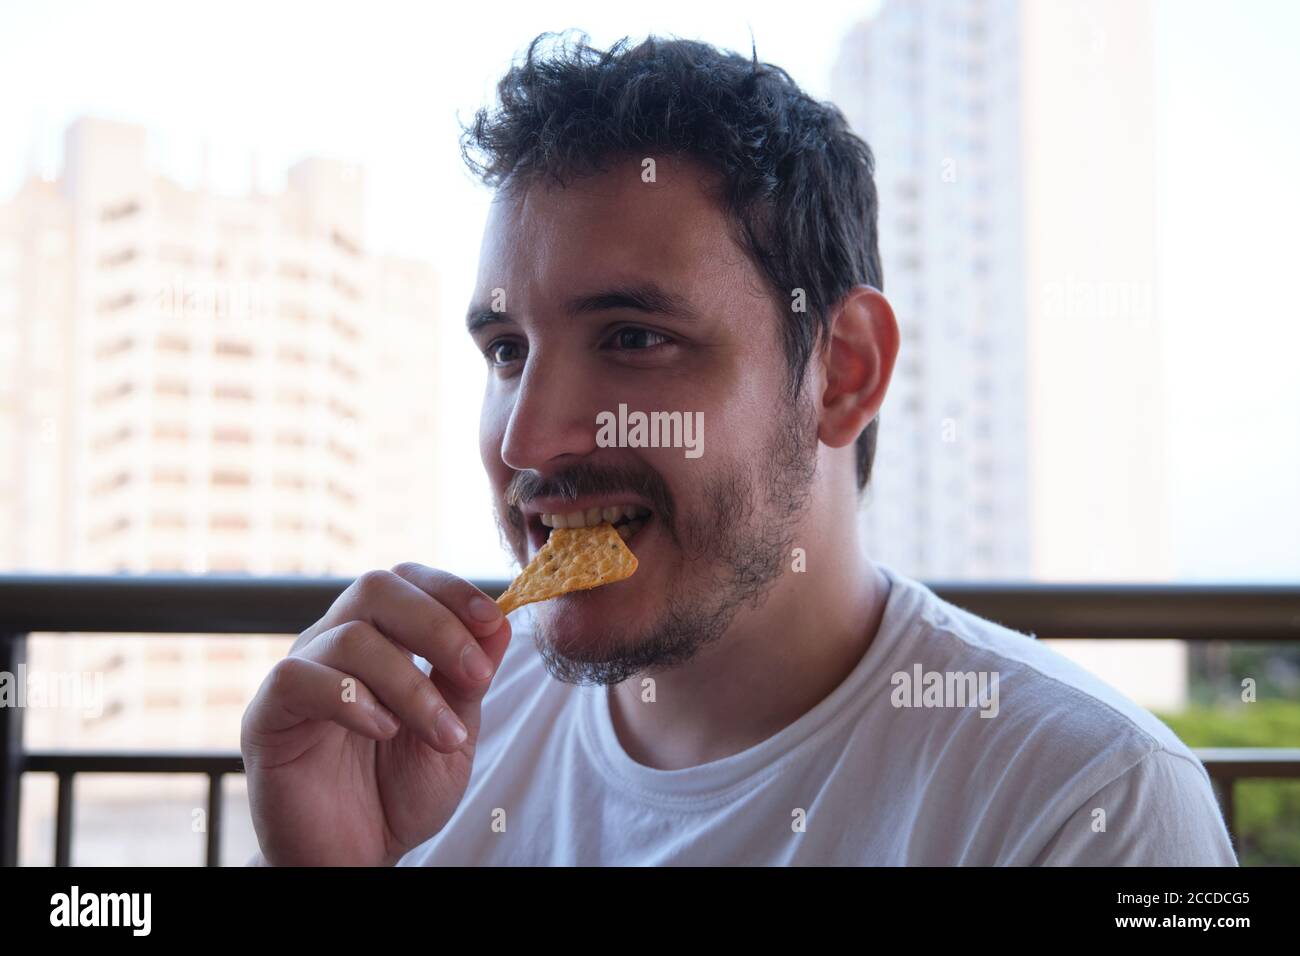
(796, 182)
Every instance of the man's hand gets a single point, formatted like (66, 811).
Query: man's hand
(351, 751)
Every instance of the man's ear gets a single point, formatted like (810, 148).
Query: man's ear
(857, 363)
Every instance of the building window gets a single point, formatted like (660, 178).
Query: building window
(227, 563)
(344, 288)
(227, 477)
(341, 451)
(346, 329)
(343, 368)
(293, 396)
(169, 476)
(109, 439)
(339, 535)
(167, 519)
(171, 431)
(118, 524)
(232, 435)
(115, 347)
(176, 254)
(238, 393)
(338, 491)
(120, 258)
(344, 243)
(112, 482)
(117, 303)
(234, 349)
(171, 386)
(121, 210)
(225, 697)
(229, 522)
(114, 391)
(162, 700)
(340, 410)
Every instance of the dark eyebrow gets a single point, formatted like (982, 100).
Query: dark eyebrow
(479, 316)
(640, 297)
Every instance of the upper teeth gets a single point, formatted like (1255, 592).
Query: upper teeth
(593, 516)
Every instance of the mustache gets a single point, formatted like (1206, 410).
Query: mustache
(579, 480)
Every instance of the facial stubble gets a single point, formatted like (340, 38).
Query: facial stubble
(735, 546)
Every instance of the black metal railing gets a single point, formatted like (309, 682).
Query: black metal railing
(234, 604)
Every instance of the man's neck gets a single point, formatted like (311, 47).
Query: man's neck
(771, 667)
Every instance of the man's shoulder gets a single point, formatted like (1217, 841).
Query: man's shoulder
(1048, 708)
(1060, 742)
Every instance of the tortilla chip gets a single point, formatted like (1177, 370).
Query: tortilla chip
(573, 559)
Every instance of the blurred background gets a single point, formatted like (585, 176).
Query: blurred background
(237, 241)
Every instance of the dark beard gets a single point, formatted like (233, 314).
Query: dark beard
(734, 555)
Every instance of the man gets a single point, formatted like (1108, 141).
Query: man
(679, 230)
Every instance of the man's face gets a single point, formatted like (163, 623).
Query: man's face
(614, 291)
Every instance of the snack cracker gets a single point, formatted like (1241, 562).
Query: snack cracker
(573, 559)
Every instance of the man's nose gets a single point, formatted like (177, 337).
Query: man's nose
(553, 418)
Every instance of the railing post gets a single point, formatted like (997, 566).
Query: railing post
(13, 660)
(1224, 782)
(1229, 790)
(212, 850)
(63, 819)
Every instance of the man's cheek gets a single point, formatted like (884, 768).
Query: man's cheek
(493, 418)
(489, 441)
(490, 437)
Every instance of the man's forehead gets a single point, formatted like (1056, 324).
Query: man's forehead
(610, 220)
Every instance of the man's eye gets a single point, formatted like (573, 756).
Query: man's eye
(636, 339)
(503, 352)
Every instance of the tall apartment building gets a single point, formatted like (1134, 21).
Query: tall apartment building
(198, 382)
(926, 84)
(1016, 172)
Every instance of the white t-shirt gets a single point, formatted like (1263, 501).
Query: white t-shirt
(1064, 770)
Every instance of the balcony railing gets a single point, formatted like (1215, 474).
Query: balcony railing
(177, 604)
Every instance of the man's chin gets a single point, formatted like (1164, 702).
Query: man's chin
(584, 655)
(592, 621)
(590, 638)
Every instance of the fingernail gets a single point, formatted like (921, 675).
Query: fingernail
(386, 721)
(475, 662)
(450, 729)
(483, 609)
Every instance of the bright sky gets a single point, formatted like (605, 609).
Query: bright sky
(1229, 204)
(381, 83)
